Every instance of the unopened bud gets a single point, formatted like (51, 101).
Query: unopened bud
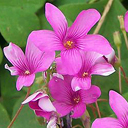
(117, 40)
(121, 20)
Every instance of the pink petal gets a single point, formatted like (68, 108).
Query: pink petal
(78, 110)
(83, 23)
(46, 105)
(52, 122)
(60, 67)
(103, 69)
(24, 81)
(119, 105)
(110, 56)
(81, 83)
(46, 40)
(106, 123)
(34, 105)
(72, 61)
(91, 95)
(58, 85)
(126, 21)
(56, 19)
(16, 56)
(38, 60)
(13, 70)
(62, 108)
(96, 43)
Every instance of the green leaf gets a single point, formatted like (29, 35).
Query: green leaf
(18, 19)
(26, 118)
(4, 118)
(1, 55)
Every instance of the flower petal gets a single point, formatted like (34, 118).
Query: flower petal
(46, 105)
(96, 43)
(78, 110)
(46, 40)
(103, 69)
(72, 61)
(126, 21)
(83, 23)
(62, 108)
(16, 56)
(119, 105)
(56, 19)
(106, 123)
(58, 85)
(38, 60)
(24, 81)
(91, 95)
(13, 70)
(81, 83)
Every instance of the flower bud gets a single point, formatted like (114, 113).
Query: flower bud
(117, 40)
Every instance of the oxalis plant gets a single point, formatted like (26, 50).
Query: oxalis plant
(72, 76)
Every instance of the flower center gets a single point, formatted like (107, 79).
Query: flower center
(76, 100)
(85, 74)
(27, 72)
(68, 44)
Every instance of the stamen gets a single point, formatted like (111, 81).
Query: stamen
(27, 72)
(76, 100)
(85, 74)
(68, 44)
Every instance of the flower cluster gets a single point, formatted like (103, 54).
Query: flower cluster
(82, 55)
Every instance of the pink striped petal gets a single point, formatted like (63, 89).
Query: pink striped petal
(83, 23)
(96, 43)
(72, 61)
(119, 105)
(46, 40)
(78, 110)
(91, 95)
(56, 19)
(106, 123)
(126, 21)
(81, 83)
(26, 80)
(103, 69)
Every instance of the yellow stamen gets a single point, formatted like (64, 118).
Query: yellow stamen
(85, 74)
(27, 72)
(68, 44)
(76, 100)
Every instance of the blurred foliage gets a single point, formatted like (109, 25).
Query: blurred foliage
(19, 18)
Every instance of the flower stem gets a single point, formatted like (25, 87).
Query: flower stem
(106, 10)
(98, 110)
(69, 121)
(19, 110)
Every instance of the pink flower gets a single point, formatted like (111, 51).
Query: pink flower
(92, 64)
(66, 100)
(126, 21)
(41, 105)
(70, 40)
(26, 65)
(120, 106)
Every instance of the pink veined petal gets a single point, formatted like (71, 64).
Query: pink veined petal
(44, 114)
(91, 95)
(120, 106)
(26, 80)
(38, 60)
(13, 70)
(62, 108)
(96, 43)
(46, 40)
(78, 110)
(46, 105)
(57, 20)
(81, 83)
(65, 92)
(126, 21)
(103, 69)
(106, 123)
(16, 56)
(72, 61)
(83, 23)
(60, 67)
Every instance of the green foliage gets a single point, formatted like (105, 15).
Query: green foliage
(1, 55)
